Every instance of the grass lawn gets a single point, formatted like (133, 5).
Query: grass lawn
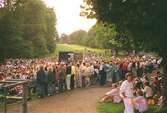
(74, 48)
(78, 48)
(109, 107)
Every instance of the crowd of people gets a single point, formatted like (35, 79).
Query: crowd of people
(49, 76)
(141, 87)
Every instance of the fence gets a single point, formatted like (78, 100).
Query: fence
(8, 84)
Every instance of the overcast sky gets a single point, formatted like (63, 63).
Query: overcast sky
(68, 18)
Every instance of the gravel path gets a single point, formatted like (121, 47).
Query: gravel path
(77, 101)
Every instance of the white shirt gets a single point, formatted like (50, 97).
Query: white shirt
(127, 89)
(148, 90)
(101, 67)
(129, 66)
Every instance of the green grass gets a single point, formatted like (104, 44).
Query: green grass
(76, 48)
(109, 107)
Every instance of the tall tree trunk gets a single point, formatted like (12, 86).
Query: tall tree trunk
(164, 64)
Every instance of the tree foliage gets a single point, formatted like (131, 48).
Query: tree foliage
(100, 36)
(106, 36)
(27, 28)
(145, 20)
(64, 38)
(78, 37)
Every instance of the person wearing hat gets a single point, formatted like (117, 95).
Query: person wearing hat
(126, 92)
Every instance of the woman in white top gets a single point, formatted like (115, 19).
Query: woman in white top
(148, 91)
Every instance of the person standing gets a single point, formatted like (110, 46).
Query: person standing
(83, 74)
(87, 75)
(68, 78)
(78, 76)
(134, 69)
(41, 82)
(51, 82)
(46, 81)
(62, 78)
(73, 73)
(126, 92)
(102, 74)
(92, 74)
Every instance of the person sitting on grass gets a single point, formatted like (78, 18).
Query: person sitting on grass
(148, 92)
(113, 94)
(140, 102)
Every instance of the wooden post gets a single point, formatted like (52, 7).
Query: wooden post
(24, 105)
(5, 100)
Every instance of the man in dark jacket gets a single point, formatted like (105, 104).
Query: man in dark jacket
(51, 82)
(41, 79)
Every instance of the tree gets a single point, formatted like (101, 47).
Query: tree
(51, 32)
(106, 36)
(145, 20)
(64, 38)
(27, 28)
(78, 37)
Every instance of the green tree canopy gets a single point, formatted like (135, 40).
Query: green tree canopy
(27, 28)
(78, 37)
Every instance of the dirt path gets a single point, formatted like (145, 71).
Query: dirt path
(77, 101)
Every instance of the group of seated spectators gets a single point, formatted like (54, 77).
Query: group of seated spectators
(147, 83)
(50, 76)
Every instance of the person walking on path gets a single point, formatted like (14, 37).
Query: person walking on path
(126, 92)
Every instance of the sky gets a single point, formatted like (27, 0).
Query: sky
(68, 16)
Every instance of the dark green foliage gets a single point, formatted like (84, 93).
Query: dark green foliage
(27, 29)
